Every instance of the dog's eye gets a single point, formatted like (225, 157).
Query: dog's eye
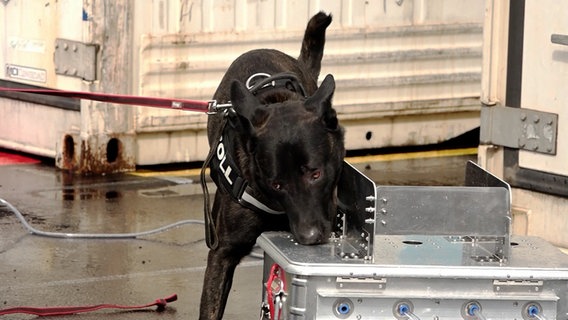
(276, 186)
(316, 175)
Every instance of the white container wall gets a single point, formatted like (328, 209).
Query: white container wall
(68, 45)
(408, 72)
(27, 30)
(524, 119)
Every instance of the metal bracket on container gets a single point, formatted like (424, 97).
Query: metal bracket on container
(76, 59)
(356, 196)
(358, 283)
(561, 39)
(519, 128)
(517, 286)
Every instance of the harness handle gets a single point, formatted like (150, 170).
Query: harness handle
(211, 236)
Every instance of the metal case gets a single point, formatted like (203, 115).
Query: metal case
(420, 253)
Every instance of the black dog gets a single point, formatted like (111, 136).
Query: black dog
(275, 157)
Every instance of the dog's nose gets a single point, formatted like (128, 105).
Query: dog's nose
(310, 236)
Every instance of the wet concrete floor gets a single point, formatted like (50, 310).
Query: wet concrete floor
(42, 271)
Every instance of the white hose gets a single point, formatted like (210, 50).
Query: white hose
(130, 235)
(62, 235)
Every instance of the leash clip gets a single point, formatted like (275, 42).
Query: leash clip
(213, 107)
(264, 311)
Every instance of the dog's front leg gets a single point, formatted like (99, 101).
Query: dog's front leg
(221, 264)
(237, 229)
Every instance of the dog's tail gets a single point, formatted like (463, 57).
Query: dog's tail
(314, 42)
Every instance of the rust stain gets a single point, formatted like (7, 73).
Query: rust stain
(89, 161)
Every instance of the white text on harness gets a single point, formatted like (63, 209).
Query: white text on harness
(222, 156)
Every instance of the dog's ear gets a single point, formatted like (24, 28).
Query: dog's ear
(247, 105)
(248, 113)
(244, 102)
(320, 103)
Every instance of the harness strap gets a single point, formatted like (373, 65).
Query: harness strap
(286, 80)
(68, 310)
(211, 236)
(226, 173)
(248, 200)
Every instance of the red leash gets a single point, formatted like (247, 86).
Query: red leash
(60, 311)
(177, 104)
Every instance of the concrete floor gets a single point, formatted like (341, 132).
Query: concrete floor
(41, 271)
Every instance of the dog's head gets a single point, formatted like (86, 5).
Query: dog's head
(295, 150)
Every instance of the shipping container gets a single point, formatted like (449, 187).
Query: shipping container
(408, 71)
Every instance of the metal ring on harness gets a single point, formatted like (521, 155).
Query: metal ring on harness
(256, 75)
(285, 80)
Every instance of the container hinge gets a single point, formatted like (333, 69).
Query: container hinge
(76, 59)
(358, 283)
(517, 286)
(519, 128)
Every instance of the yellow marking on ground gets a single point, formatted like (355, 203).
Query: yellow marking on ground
(172, 173)
(353, 160)
(413, 155)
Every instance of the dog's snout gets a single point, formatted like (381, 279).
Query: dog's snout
(311, 236)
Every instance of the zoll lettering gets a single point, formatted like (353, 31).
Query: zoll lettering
(222, 156)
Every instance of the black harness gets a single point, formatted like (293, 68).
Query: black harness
(266, 82)
(229, 176)
(224, 170)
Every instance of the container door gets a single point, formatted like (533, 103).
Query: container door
(536, 80)
(524, 121)
(545, 74)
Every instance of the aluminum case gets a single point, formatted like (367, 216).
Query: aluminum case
(460, 264)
